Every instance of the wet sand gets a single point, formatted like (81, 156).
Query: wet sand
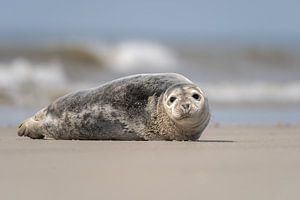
(233, 162)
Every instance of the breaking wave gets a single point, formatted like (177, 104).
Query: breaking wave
(132, 56)
(37, 75)
(254, 92)
(135, 55)
(25, 83)
(21, 71)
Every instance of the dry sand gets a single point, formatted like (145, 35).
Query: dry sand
(230, 163)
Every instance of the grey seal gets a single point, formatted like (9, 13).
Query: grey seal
(163, 106)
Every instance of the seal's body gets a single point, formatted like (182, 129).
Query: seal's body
(138, 107)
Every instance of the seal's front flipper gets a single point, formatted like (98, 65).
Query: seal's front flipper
(32, 126)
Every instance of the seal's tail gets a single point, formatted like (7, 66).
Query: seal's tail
(31, 127)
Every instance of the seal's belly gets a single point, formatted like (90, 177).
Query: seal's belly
(91, 125)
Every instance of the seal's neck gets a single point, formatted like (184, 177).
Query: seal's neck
(166, 128)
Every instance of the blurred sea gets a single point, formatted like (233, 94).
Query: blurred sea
(245, 84)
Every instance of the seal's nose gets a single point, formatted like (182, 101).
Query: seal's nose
(185, 107)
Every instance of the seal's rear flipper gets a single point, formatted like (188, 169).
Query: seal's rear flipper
(31, 126)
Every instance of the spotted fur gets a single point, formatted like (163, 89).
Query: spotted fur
(129, 108)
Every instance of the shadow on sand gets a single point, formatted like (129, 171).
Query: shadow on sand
(221, 141)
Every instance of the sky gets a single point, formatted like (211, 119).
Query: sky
(152, 18)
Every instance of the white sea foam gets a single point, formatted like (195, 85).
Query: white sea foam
(25, 83)
(21, 71)
(135, 56)
(231, 92)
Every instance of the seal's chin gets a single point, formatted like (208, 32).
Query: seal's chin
(184, 116)
(186, 121)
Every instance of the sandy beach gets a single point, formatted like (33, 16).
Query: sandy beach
(230, 162)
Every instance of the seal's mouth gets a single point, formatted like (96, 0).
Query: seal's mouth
(184, 116)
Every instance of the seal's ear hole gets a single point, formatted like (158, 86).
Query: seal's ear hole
(172, 99)
(196, 96)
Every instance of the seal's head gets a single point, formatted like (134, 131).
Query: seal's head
(186, 105)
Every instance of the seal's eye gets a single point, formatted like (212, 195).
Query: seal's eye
(196, 96)
(172, 99)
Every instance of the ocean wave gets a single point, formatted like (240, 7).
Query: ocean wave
(39, 75)
(253, 92)
(124, 56)
(25, 83)
(141, 55)
(133, 55)
(21, 71)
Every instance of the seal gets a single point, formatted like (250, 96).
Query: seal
(163, 106)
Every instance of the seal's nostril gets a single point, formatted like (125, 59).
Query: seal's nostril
(186, 106)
